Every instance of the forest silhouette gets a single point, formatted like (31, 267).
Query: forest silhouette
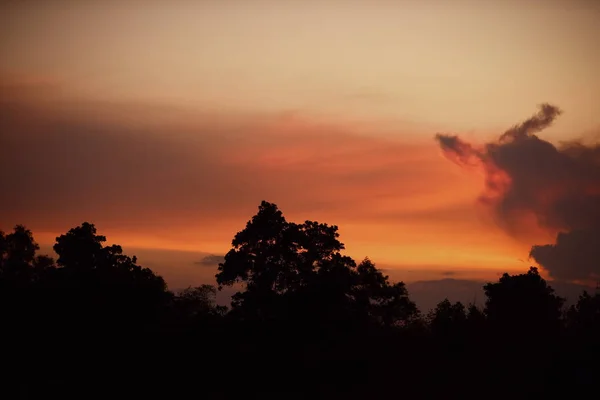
(308, 321)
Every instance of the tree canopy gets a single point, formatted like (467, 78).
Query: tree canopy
(288, 268)
(306, 318)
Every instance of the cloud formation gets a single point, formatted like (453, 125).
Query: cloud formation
(166, 177)
(121, 163)
(211, 260)
(558, 185)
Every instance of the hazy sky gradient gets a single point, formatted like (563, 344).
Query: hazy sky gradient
(460, 65)
(166, 122)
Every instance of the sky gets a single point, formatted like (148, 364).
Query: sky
(166, 123)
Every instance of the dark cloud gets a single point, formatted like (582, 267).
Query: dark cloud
(210, 260)
(62, 162)
(558, 185)
(66, 162)
(575, 255)
(461, 152)
(144, 167)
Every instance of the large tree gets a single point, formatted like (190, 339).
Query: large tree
(292, 270)
(82, 255)
(20, 266)
(104, 288)
(523, 305)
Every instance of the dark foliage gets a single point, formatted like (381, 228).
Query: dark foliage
(308, 321)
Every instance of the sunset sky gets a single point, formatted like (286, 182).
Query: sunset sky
(166, 123)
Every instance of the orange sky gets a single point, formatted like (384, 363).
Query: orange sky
(167, 122)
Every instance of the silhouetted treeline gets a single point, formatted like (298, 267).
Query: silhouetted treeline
(308, 322)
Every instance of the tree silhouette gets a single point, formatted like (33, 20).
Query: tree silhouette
(21, 269)
(475, 324)
(524, 322)
(19, 264)
(307, 319)
(448, 321)
(523, 305)
(298, 271)
(199, 301)
(388, 303)
(583, 318)
(110, 286)
(82, 255)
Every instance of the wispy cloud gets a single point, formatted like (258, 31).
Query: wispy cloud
(159, 176)
(113, 161)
